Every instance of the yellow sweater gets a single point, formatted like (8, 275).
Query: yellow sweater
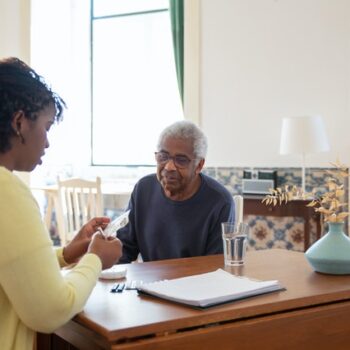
(34, 296)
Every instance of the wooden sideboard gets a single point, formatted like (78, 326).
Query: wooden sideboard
(295, 208)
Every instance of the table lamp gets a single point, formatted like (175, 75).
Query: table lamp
(303, 135)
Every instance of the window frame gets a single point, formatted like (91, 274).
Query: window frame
(92, 19)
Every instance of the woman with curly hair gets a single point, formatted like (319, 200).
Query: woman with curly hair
(34, 296)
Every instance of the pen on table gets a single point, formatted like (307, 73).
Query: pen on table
(115, 288)
(120, 287)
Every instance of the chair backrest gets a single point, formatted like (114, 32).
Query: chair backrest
(79, 201)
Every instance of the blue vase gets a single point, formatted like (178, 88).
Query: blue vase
(331, 253)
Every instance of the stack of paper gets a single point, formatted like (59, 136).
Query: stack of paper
(209, 288)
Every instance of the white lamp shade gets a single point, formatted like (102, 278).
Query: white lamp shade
(303, 135)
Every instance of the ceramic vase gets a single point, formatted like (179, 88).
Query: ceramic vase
(331, 253)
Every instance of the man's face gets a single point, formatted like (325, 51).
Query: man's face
(178, 176)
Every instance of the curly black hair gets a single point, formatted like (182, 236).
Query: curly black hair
(22, 89)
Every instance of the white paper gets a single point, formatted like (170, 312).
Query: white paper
(209, 288)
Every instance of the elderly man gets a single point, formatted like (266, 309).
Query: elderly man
(177, 212)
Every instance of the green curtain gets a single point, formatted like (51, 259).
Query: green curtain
(176, 8)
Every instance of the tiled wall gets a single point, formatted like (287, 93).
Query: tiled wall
(231, 178)
(275, 232)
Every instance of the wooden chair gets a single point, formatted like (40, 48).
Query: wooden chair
(79, 201)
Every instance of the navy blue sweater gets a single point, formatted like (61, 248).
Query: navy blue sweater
(161, 228)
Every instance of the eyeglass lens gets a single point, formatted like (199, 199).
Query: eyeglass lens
(179, 161)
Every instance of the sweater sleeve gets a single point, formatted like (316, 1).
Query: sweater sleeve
(29, 266)
(214, 243)
(35, 280)
(128, 236)
(60, 258)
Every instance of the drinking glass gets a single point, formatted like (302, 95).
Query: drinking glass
(235, 237)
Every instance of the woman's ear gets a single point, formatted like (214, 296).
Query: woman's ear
(17, 122)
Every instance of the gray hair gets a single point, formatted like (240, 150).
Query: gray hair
(186, 130)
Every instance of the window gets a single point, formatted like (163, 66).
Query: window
(134, 87)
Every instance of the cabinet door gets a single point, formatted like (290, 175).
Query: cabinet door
(291, 225)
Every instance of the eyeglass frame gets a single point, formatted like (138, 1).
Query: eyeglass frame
(173, 158)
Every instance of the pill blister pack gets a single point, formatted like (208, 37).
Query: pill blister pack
(117, 224)
(133, 284)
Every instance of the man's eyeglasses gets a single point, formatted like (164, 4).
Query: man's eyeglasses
(179, 160)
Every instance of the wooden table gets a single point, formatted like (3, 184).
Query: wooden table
(312, 313)
(294, 208)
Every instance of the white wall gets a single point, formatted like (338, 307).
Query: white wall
(259, 61)
(262, 60)
(15, 36)
(15, 28)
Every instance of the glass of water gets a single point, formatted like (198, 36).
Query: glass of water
(235, 237)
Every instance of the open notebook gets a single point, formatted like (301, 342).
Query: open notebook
(208, 289)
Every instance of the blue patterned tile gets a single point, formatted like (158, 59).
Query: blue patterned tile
(273, 232)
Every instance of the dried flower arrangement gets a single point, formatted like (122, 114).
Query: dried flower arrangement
(330, 204)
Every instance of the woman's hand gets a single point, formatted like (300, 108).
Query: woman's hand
(78, 246)
(109, 250)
